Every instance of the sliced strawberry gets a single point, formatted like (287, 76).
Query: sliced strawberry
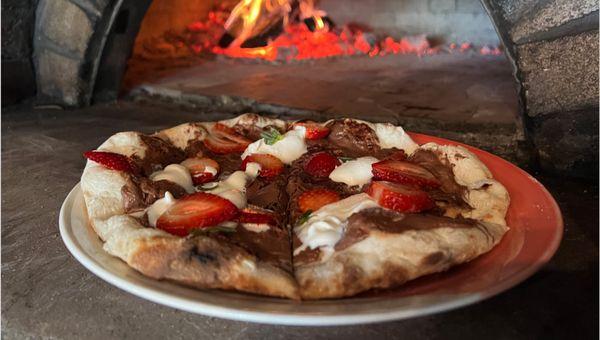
(399, 197)
(313, 130)
(111, 160)
(223, 140)
(404, 173)
(270, 166)
(316, 198)
(257, 215)
(197, 210)
(321, 164)
(198, 169)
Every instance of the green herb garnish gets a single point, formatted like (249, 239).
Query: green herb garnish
(345, 159)
(271, 136)
(304, 217)
(211, 230)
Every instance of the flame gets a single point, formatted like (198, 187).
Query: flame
(319, 24)
(254, 16)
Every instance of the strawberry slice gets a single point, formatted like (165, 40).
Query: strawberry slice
(313, 130)
(404, 173)
(257, 215)
(314, 199)
(198, 169)
(270, 166)
(223, 140)
(399, 197)
(111, 160)
(321, 164)
(197, 210)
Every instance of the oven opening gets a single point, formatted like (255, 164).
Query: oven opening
(401, 62)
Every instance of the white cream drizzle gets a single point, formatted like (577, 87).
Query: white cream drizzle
(234, 187)
(391, 136)
(288, 149)
(354, 172)
(325, 227)
(159, 207)
(175, 173)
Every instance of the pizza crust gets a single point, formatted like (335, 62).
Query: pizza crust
(384, 260)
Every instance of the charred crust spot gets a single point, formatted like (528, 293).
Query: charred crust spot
(204, 257)
(433, 258)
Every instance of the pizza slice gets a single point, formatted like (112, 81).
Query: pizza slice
(401, 211)
(179, 205)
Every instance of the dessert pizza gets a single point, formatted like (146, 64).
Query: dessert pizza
(300, 210)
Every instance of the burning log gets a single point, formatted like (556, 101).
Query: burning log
(254, 21)
(319, 23)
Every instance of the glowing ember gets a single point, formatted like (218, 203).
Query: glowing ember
(305, 33)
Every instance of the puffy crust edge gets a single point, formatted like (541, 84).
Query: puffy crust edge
(385, 260)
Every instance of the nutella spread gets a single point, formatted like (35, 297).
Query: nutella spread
(268, 194)
(271, 245)
(307, 255)
(158, 154)
(449, 190)
(361, 223)
(142, 192)
(356, 139)
(253, 132)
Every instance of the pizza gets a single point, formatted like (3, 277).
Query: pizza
(291, 209)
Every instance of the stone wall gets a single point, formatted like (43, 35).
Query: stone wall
(554, 45)
(18, 80)
(447, 20)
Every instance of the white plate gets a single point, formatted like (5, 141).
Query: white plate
(86, 247)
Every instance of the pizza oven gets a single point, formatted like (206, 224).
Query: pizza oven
(520, 77)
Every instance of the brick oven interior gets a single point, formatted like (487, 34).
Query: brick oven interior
(518, 78)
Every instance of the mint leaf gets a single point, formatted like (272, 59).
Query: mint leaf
(303, 218)
(271, 136)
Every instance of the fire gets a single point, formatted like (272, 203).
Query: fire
(302, 32)
(252, 17)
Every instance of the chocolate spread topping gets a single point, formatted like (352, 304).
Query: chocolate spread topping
(449, 191)
(158, 155)
(252, 131)
(271, 245)
(305, 256)
(356, 139)
(268, 194)
(142, 192)
(361, 223)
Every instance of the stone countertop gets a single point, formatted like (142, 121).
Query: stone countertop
(47, 293)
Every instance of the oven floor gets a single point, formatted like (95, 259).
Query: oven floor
(451, 90)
